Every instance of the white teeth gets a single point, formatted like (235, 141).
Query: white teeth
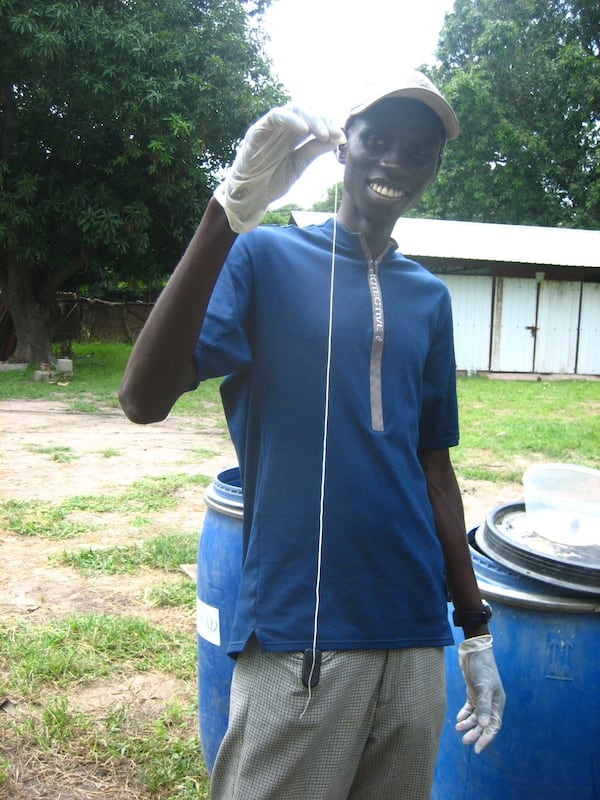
(387, 191)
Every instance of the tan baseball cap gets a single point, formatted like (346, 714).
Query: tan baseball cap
(414, 86)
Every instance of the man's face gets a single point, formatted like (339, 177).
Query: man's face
(392, 156)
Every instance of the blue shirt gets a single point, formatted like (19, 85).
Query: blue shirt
(392, 392)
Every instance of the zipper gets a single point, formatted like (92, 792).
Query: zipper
(377, 337)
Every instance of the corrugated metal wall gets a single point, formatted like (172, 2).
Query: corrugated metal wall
(588, 355)
(525, 324)
(472, 315)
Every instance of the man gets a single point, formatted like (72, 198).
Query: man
(340, 399)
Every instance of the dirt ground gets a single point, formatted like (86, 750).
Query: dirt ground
(103, 453)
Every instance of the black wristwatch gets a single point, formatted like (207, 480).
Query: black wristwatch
(470, 619)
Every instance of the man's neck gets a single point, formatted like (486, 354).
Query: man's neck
(377, 236)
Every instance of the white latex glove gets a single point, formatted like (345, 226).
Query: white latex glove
(481, 715)
(272, 156)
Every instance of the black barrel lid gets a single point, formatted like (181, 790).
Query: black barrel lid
(507, 537)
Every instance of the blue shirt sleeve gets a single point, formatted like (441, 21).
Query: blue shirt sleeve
(223, 345)
(438, 426)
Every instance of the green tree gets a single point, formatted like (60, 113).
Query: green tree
(115, 116)
(279, 216)
(332, 199)
(524, 79)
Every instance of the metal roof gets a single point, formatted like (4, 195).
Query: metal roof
(482, 241)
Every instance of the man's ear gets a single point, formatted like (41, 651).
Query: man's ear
(341, 153)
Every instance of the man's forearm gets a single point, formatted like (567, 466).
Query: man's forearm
(446, 502)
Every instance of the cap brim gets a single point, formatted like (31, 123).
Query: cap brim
(434, 101)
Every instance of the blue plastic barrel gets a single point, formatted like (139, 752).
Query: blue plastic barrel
(219, 568)
(547, 647)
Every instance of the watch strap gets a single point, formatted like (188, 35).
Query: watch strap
(472, 617)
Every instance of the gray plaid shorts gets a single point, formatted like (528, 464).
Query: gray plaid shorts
(370, 729)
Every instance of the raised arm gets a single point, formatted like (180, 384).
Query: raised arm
(275, 151)
(161, 365)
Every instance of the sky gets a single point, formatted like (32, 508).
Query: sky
(324, 51)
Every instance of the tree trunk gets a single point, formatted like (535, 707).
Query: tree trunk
(33, 318)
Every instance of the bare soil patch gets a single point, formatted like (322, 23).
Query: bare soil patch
(50, 453)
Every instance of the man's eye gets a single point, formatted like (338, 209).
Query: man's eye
(375, 141)
(422, 155)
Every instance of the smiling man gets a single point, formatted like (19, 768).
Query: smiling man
(340, 398)
(396, 146)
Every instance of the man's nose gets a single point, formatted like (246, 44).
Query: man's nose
(396, 158)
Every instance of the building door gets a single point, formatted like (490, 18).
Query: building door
(588, 356)
(514, 325)
(557, 318)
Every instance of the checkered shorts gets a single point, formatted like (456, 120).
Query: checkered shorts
(369, 731)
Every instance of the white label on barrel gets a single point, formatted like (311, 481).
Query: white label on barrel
(207, 622)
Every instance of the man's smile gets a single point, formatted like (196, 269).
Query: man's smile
(386, 191)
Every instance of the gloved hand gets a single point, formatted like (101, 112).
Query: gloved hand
(270, 159)
(481, 715)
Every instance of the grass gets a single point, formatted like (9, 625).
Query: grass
(506, 424)
(164, 552)
(164, 751)
(59, 521)
(58, 453)
(155, 757)
(82, 648)
(170, 595)
(158, 757)
(97, 371)
(122, 751)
